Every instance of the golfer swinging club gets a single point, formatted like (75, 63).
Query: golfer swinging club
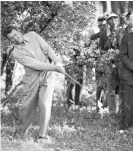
(32, 51)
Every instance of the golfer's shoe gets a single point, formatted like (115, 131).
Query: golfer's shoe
(46, 139)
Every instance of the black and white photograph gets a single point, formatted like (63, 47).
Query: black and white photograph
(66, 81)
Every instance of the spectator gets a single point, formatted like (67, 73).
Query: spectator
(113, 35)
(126, 76)
(102, 25)
(76, 71)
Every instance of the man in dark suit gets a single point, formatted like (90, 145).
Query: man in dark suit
(126, 75)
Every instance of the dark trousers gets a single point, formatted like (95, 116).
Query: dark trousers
(69, 94)
(77, 95)
(99, 88)
(78, 92)
(126, 92)
(112, 89)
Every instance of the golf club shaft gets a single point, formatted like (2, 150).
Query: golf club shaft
(78, 83)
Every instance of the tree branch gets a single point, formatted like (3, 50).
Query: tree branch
(53, 14)
(7, 99)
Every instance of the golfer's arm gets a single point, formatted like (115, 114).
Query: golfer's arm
(33, 63)
(47, 49)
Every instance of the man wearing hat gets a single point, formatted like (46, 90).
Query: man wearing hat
(113, 38)
(114, 32)
(108, 41)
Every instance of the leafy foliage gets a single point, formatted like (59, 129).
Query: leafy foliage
(70, 19)
(29, 15)
(60, 23)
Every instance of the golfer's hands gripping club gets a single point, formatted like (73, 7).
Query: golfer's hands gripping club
(59, 68)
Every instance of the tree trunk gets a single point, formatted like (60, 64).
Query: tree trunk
(7, 63)
(9, 73)
(104, 5)
(108, 8)
(120, 8)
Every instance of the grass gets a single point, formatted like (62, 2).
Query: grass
(76, 129)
